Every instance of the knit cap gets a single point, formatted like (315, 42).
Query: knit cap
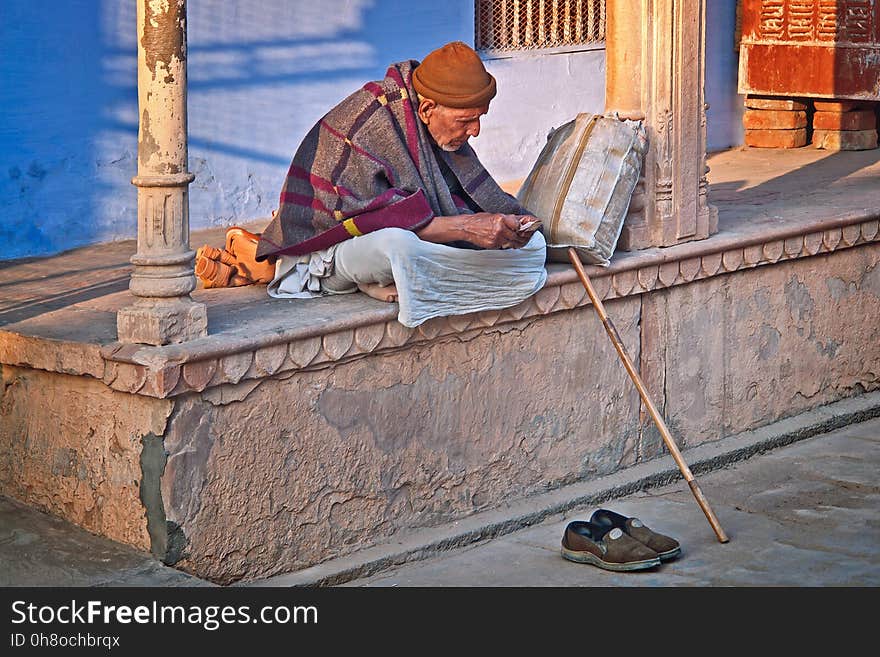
(454, 75)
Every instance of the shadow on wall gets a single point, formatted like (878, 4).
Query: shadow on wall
(261, 72)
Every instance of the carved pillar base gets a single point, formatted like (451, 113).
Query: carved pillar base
(163, 275)
(637, 233)
(162, 321)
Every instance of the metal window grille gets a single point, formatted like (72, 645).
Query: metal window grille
(533, 24)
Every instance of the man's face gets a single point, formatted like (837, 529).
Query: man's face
(450, 126)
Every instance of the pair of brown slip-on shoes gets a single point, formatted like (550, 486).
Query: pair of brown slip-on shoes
(608, 548)
(666, 547)
(235, 265)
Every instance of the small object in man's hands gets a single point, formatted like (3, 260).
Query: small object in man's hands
(529, 226)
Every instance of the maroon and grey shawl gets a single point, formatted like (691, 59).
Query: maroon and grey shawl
(369, 164)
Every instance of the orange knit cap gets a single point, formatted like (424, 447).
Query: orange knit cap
(454, 76)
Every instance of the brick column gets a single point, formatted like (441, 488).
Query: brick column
(655, 66)
(775, 122)
(163, 276)
(844, 125)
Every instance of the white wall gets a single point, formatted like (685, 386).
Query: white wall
(536, 93)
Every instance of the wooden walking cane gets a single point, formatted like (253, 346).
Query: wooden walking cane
(658, 419)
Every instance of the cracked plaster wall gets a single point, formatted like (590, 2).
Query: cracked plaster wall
(322, 463)
(271, 478)
(72, 447)
(746, 349)
(274, 475)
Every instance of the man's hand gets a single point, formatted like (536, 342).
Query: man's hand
(488, 230)
(493, 231)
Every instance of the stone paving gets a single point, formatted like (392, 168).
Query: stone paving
(807, 514)
(38, 549)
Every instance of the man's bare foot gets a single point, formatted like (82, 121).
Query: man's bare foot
(386, 293)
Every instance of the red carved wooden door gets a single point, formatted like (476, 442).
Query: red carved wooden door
(811, 48)
(810, 70)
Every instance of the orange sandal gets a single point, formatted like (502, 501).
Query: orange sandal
(213, 253)
(242, 246)
(215, 273)
(236, 265)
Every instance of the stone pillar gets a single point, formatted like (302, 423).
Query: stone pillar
(655, 66)
(623, 58)
(163, 275)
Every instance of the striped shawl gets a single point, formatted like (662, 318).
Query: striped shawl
(368, 164)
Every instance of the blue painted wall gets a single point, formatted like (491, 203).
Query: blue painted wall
(261, 72)
(57, 173)
(724, 127)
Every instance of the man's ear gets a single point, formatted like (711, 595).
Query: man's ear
(426, 108)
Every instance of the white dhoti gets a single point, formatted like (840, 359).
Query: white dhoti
(432, 280)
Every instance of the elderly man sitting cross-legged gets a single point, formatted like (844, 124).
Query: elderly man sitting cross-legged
(386, 196)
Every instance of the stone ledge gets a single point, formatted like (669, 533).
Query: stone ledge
(359, 329)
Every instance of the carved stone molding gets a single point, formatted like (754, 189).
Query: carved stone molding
(144, 371)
